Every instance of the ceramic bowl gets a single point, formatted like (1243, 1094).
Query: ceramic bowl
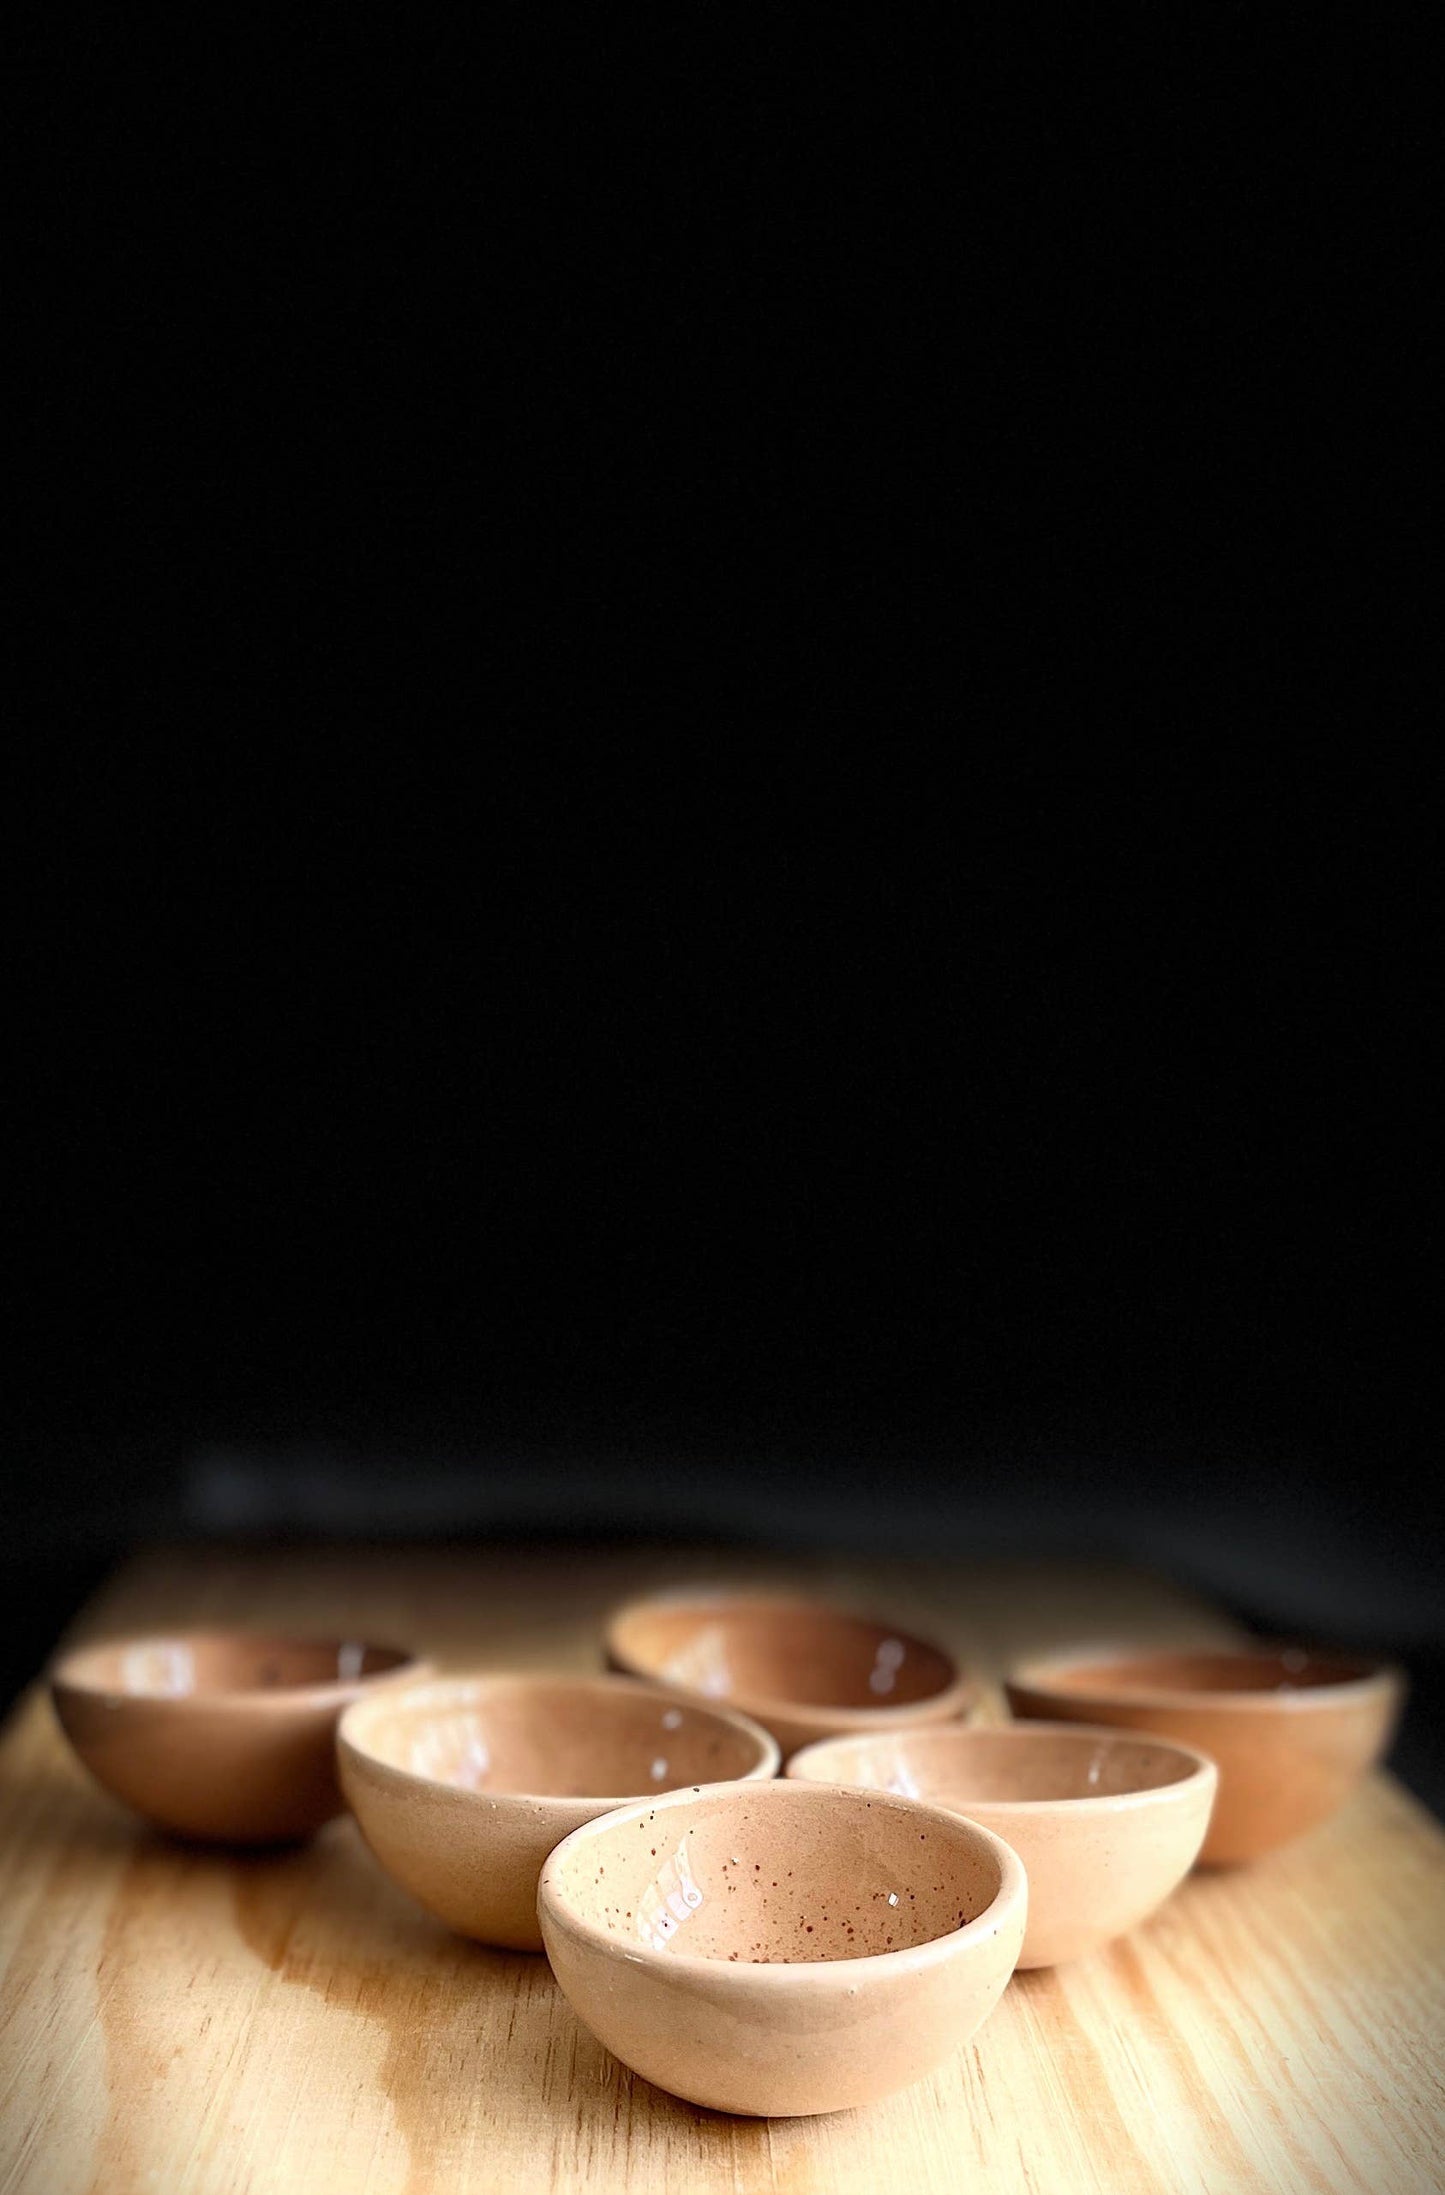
(222, 1735)
(1106, 1824)
(1292, 1732)
(780, 1948)
(461, 1787)
(801, 1668)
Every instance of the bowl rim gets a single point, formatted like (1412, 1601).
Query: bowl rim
(66, 1672)
(958, 1696)
(1203, 1772)
(1012, 1893)
(1371, 1676)
(351, 1742)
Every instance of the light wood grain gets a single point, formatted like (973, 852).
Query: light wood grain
(175, 2020)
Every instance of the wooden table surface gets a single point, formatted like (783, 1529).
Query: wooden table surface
(178, 2020)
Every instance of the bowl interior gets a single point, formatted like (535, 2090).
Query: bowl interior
(1020, 1765)
(1282, 1669)
(554, 1738)
(780, 1650)
(189, 1666)
(782, 1873)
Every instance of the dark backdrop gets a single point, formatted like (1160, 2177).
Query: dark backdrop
(718, 835)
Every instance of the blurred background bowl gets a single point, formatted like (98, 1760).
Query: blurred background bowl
(229, 1736)
(803, 1669)
(1292, 1731)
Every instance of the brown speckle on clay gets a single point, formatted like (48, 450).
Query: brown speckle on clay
(609, 1961)
(678, 1904)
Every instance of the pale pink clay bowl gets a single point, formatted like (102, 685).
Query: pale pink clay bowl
(780, 1949)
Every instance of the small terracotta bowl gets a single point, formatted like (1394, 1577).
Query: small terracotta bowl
(779, 1948)
(1292, 1732)
(228, 1736)
(802, 1669)
(1106, 1825)
(462, 1787)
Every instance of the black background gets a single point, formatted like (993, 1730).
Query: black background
(719, 831)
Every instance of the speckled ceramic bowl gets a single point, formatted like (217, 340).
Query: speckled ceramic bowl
(782, 1948)
(801, 1668)
(1105, 1823)
(221, 1735)
(462, 1787)
(1292, 1732)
